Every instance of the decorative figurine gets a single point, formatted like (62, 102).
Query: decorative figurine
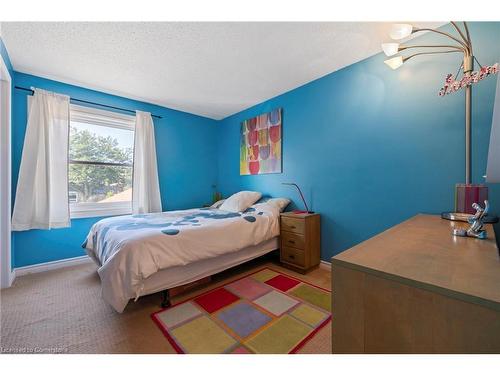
(476, 223)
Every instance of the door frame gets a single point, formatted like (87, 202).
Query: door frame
(6, 273)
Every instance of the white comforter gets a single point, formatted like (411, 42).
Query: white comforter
(131, 248)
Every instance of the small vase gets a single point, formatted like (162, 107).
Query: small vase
(468, 194)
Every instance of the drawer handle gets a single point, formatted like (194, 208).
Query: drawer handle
(292, 226)
(291, 241)
(291, 256)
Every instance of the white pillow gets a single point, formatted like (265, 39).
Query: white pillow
(280, 202)
(217, 204)
(240, 201)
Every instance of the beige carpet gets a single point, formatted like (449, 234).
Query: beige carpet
(61, 311)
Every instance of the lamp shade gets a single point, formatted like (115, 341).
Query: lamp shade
(395, 62)
(400, 31)
(493, 168)
(390, 49)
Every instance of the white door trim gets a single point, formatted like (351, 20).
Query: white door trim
(6, 274)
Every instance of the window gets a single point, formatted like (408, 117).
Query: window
(101, 145)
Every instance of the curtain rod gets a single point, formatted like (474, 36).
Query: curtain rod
(87, 102)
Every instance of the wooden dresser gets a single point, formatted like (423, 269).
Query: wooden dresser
(300, 240)
(415, 288)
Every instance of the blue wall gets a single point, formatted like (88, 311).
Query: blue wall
(5, 56)
(370, 146)
(186, 152)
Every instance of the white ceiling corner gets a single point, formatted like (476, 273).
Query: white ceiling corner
(209, 69)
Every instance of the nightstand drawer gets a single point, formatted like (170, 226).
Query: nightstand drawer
(293, 240)
(294, 256)
(292, 225)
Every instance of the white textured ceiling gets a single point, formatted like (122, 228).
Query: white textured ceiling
(209, 69)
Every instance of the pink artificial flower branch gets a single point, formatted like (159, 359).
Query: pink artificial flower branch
(451, 85)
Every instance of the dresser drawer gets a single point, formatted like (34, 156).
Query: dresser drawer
(293, 240)
(292, 225)
(294, 256)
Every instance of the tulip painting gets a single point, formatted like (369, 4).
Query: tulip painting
(260, 144)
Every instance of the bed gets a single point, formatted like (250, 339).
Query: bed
(144, 254)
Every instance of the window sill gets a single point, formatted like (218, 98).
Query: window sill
(88, 210)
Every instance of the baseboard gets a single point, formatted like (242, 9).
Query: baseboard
(325, 265)
(48, 266)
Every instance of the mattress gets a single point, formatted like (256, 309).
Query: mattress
(132, 250)
(180, 275)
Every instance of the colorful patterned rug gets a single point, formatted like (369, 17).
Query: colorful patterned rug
(265, 312)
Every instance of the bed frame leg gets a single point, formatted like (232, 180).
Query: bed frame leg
(165, 294)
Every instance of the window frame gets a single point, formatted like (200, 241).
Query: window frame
(105, 118)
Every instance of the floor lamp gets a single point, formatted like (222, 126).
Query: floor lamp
(467, 193)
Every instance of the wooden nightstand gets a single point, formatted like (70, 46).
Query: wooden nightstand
(300, 240)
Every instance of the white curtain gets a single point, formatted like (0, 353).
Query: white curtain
(42, 186)
(145, 185)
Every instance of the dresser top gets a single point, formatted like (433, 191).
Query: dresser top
(422, 252)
